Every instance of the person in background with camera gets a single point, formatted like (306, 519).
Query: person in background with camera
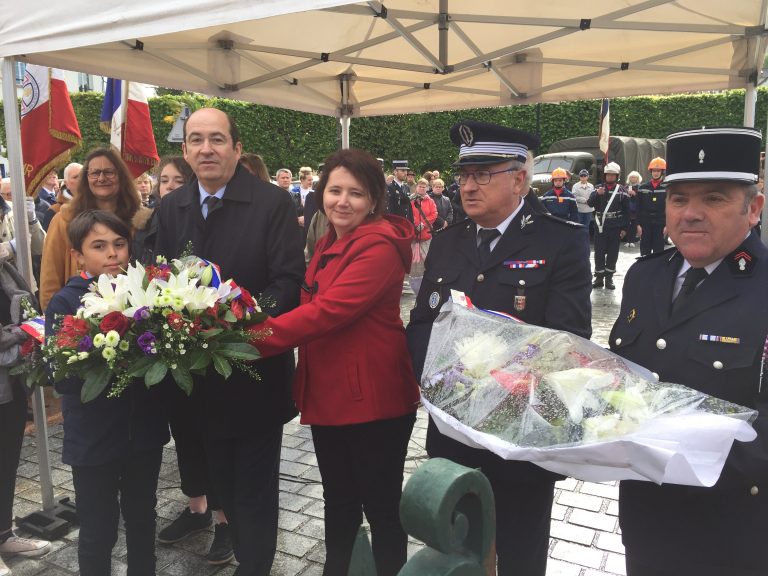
(425, 220)
(611, 204)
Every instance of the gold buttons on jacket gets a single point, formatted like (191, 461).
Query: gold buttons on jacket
(480, 277)
(661, 343)
(618, 341)
(522, 282)
(655, 376)
(717, 365)
(439, 280)
(754, 491)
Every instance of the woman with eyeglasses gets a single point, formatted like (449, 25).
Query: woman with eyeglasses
(105, 184)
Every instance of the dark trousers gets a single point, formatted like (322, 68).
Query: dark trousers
(652, 240)
(245, 474)
(13, 416)
(188, 435)
(362, 470)
(607, 250)
(127, 485)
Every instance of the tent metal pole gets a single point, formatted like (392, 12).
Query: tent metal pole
(24, 259)
(750, 102)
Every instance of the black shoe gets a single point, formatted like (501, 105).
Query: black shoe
(598, 283)
(609, 282)
(221, 547)
(186, 524)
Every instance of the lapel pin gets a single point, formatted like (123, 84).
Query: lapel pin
(527, 219)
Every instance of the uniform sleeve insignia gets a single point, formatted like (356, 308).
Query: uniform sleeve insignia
(631, 316)
(434, 300)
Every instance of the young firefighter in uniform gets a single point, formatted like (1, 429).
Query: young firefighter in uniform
(611, 204)
(559, 201)
(652, 200)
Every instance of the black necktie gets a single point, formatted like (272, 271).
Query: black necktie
(692, 278)
(210, 202)
(486, 237)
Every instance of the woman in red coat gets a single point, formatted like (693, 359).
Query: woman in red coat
(354, 382)
(424, 217)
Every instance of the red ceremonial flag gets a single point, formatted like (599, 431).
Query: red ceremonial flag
(125, 117)
(49, 130)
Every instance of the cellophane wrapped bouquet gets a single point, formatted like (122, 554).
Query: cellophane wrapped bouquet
(567, 404)
(174, 318)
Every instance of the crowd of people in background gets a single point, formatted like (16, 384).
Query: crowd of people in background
(329, 251)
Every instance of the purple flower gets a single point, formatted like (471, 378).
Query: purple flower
(147, 343)
(85, 344)
(141, 314)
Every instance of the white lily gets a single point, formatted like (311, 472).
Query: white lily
(109, 296)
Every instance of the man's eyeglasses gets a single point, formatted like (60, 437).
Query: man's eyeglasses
(108, 173)
(482, 176)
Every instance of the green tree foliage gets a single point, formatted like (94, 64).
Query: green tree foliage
(286, 138)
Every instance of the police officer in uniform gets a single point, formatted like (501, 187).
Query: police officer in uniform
(651, 197)
(398, 193)
(611, 203)
(559, 201)
(698, 315)
(513, 259)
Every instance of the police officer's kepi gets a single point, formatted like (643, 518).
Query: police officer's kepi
(731, 154)
(399, 164)
(483, 143)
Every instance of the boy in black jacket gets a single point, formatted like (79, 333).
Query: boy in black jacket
(114, 445)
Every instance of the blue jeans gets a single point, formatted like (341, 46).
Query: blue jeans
(585, 218)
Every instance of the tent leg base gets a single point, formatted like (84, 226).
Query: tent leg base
(50, 524)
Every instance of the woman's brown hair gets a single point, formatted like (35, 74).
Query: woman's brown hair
(128, 200)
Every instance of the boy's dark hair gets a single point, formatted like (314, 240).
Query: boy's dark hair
(82, 224)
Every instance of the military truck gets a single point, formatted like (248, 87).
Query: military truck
(575, 154)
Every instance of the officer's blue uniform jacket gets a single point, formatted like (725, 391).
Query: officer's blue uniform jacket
(715, 343)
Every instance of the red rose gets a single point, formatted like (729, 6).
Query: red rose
(175, 320)
(28, 347)
(115, 321)
(516, 383)
(213, 311)
(247, 299)
(75, 327)
(162, 272)
(237, 309)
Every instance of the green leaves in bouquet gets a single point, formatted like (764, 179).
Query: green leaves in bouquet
(95, 382)
(155, 373)
(222, 365)
(38, 376)
(239, 351)
(183, 378)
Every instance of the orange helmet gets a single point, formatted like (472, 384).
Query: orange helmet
(657, 163)
(559, 173)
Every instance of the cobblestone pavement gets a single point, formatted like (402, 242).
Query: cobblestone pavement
(585, 538)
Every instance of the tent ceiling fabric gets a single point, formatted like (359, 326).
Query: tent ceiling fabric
(372, 58)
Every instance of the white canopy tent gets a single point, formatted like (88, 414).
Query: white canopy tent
(348, 59)
(369, 58)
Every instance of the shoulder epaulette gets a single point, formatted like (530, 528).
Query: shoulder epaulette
(668, 252)
(466, 221)
(561, 220)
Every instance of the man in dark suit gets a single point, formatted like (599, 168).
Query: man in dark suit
(697, 315)
(398, 193)
(510, 258)
(247, 227)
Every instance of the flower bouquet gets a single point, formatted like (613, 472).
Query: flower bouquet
(560, 401)
(176, 318)
(32, 366)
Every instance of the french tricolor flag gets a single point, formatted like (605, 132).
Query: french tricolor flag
(604, 128)
(125, 116)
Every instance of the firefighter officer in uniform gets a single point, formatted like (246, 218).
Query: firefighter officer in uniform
(698, 315)
(652, 197)
(398, 192)
(510, 258)
(559, 201)
(611, 203)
